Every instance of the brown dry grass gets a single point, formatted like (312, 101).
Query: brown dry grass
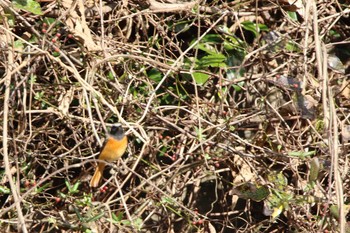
(243, 152)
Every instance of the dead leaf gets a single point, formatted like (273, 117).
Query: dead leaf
(294, 5)
(78, 25)
(65, 101)
(345, 89)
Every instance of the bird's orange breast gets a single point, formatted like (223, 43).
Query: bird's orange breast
(113, 149)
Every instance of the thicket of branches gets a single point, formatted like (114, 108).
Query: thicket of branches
(236, 113)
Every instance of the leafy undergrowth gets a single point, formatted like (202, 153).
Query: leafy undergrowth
(236, 113)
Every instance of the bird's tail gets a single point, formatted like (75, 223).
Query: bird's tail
(97, 176)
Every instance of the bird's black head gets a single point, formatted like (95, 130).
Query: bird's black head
(117, 132)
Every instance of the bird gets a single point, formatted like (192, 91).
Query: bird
(114, 147)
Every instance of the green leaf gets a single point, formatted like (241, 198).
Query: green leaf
(207, 156)
(38, 95)
(68, 185)
(334, 210)
(4, 190)
(155, 75)
(334, 34)
(56, 54)
(28, 5)
(138, 223)
(32, 79)
(280, 196)
(181, 26)
(213, 60)
(117, 218)
(49, 20)
(163, 150)
(207, 42)
(263, 27)
(232, 44)
(62, 195)
(292, 47)
(278, 179)
(314, 169)
(125, 222)
(237, 87)
(254, 28)
(92, 219)
(75, 187)
(279, 148)
(72, 188)
(234, 61)
(211, 38)
(293, 15)
(200, 78)
(252, 191)
(18, 44)
(42, 188)
(110, 76)
(199, 132)
(206, 47)
(9, 16)
(301, 154)
(168, 200)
